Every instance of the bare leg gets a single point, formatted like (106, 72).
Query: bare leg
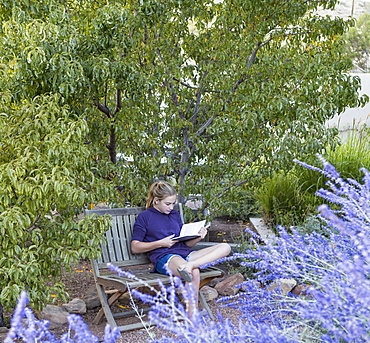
(200, 257)
(196, 259)
(175, 263)
(210, 254)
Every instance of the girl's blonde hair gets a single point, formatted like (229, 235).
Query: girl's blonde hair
(160, 190)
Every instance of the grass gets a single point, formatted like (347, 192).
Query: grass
(288, 198)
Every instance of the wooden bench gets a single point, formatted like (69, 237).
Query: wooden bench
(116, 249)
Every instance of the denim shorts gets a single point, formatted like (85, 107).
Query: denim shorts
(163, 262)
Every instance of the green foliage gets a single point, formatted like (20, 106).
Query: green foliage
(353, 154)
(283, 200)
(212, 94)
(348, 157)
(101, 98)
(309, 225)
(45, 180)
(239, 204)
(243, 243)
(289, 199)
(357, 42)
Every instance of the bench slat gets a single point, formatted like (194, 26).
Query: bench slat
(127, 233)
(118, 253)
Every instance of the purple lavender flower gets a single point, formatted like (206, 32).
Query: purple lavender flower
(16, 321)
(111, 334)
(38, 330)
(35, 331)
(335, 266)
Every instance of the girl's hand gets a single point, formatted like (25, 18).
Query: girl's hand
(167, 242)
(203, 231)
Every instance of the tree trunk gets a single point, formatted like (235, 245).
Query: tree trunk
(183, 165)
(2, 323)
(112, 145)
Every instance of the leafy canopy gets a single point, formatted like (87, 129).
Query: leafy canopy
(45, 178)
(208, 93)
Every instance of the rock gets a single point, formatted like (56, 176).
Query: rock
(300, 289)
(56, 315)
(227, 286)
(251, 285)
(209, 293)
(76, 306)
(3, 329)
(215, 281)
(284, 285)
(91, 298)
(124, 299)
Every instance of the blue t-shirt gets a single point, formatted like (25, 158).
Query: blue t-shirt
(152, 225)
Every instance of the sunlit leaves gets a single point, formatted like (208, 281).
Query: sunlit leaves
(45, 181)
(357, 42)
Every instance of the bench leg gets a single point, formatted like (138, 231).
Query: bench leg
(204, 303)
(106, 306)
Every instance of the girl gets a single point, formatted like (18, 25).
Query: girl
(153, 232)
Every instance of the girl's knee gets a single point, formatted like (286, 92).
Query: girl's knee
(226, 248)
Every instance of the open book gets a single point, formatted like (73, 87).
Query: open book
(190, 231)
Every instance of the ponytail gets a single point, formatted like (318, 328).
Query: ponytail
(160, 190)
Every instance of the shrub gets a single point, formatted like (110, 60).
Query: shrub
(283, 201)
(239, 204)
(289, 198)
(348, 158)
(46, 179)
(352, 155)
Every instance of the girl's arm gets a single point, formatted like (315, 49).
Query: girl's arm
(191, 242)
(202, 232)
(138, 247)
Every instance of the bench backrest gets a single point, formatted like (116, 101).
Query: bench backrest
(117, 245)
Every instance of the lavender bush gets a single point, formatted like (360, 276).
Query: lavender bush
(334, 266)
(26, 328)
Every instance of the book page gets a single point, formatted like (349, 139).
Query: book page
(190, 230)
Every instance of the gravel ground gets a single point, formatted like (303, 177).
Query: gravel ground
(82, 279)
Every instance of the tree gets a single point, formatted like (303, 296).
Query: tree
(45, 181)
(358, 42)
(211, 94)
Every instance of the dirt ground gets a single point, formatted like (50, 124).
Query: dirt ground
(80, 280)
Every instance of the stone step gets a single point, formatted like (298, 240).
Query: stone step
(266, 234)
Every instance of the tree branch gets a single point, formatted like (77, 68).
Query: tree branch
(184, 84)
(118, 102)
(102, 108)
(252, 57)
(204, 126)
